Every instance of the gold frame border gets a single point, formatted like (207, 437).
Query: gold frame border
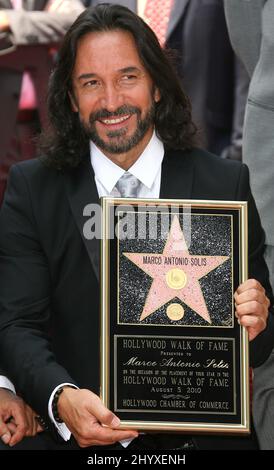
(244, 426)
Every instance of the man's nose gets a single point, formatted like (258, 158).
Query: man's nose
(111, 98)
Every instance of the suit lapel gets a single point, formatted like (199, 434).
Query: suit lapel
(177, 176)
(176, 14)
(81, 190)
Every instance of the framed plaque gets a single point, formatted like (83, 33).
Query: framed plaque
(173, 356)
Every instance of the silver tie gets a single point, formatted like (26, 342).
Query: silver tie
(128, 185)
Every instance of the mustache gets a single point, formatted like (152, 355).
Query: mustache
(104, 113)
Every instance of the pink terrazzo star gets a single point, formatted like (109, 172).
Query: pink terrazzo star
(175, 280)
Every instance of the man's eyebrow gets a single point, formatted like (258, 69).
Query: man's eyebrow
(85, 76)
(129, 70)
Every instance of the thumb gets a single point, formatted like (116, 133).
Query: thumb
(105, 416)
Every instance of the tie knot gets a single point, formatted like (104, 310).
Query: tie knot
(128, 185)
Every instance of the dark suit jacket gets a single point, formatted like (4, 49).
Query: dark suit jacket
(49, 271)
(211, 74)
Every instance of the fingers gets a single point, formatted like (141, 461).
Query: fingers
(12, 426)
(5, 432)
(104, 434)
(250, 284)
(12, 418)
(105, 430)
(6, 437)
(17, 436)
(251, 307)
(101, 436)
(32, 423)
(19, 419)
(89, 420)
(103, 414)
(249, 295)
(253, 321)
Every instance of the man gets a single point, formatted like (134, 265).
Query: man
(251, 30)
(25, 27)
(113, 86)
(211, 74)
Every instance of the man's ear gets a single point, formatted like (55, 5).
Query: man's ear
(157, 95)
(73, 102)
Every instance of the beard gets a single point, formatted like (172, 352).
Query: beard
(118, 141)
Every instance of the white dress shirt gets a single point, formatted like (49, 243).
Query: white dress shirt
(147, 169)
(6, 383)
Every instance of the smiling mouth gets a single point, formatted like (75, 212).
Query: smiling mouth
(116, 120)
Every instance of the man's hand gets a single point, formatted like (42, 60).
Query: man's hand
(87, 418)
(17, 419)
(252, 307)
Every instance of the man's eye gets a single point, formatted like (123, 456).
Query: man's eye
(91, 83)
(129, 77)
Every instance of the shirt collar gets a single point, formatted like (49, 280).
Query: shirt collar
(145, 168)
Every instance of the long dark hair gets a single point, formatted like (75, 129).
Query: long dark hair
(64, 144)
